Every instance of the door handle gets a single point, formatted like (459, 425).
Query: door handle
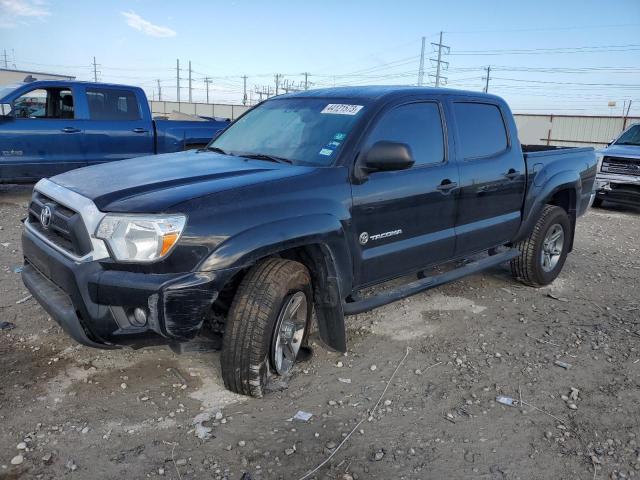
(447, 185)
(70, 130)
(139, 130)
(512, 174)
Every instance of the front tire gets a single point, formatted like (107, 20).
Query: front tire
(543, 253)
(597, 202)
(267, 324)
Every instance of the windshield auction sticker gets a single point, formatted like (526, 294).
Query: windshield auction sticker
(341, 109)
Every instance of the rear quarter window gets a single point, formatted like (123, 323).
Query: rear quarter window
(481, 129)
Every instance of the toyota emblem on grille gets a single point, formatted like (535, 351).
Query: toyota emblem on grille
(45, 216)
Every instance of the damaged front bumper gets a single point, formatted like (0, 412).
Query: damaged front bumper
(97, 305)
(623, 189)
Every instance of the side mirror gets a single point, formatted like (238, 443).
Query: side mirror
(386, 156)
(5, 109)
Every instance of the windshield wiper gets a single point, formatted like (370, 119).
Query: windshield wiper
(269, 158)
(216, 149)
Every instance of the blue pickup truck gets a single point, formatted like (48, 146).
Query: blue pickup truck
(50, 127)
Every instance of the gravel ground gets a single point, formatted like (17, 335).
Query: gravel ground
(68, 411)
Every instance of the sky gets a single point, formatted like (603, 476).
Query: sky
(545, 56)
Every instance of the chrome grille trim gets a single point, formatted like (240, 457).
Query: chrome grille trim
(90, 214)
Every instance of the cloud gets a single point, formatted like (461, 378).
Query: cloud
(16, 12)
(145, 26)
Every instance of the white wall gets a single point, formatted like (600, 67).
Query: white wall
(570, 130)
(204, 109)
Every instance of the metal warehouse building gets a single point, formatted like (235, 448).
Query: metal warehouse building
(8, 76)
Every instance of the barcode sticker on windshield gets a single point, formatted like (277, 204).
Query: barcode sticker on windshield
(341, 109)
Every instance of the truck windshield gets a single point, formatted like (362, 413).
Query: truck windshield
(630, 137)
(304, 131)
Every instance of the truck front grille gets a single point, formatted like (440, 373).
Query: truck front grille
(623, 166)
(66, 229)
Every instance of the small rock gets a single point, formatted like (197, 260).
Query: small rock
(17, 460)
(71, 465)
(47, 458)
(332, 403)
(330, 445)
(573, 406)
(218, 415)
(161, 471)
(373, 368)
(181, 462)
(85, 430)
(290, 451)
(548, 434)
(242, 443)
(21, 446)
(387, 403)
(123, 385)
(378, 456)
(339, 364)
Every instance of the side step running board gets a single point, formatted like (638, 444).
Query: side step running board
(366, 304)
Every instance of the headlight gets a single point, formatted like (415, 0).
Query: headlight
(140, 238)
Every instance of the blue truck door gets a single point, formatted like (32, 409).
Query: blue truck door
(116, 127)
(404, 220)
(492, 177)
(41, 137)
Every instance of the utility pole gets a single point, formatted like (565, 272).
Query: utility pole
(244, 89)
(207, 81)
(306, 80)
(487, 78)
(159, 91)
(95, 69)
(440, 64)
(421, 69)
(278, 76)
(178, 79)
(6, 65)
(189, 81)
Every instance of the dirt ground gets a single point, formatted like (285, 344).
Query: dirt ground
(67, 411)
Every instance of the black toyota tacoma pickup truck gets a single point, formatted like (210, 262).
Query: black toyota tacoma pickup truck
(295, 208)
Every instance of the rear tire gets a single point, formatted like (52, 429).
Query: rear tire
(541, 257)
(263, 297)
(597, 202)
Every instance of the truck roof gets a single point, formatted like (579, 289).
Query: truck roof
(71, 82)
(377, 92)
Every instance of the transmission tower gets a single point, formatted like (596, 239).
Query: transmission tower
(441, 65)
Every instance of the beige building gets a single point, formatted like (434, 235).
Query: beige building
(8, 76)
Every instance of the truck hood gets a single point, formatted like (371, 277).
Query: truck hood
(628, 151)
(153, 184)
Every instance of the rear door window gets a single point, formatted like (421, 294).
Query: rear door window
(481, 129)
(112, 104)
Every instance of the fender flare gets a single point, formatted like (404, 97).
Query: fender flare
(331, 259)
(540, 194)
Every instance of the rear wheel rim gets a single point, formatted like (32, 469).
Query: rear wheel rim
(289, 332)
(552, 246)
